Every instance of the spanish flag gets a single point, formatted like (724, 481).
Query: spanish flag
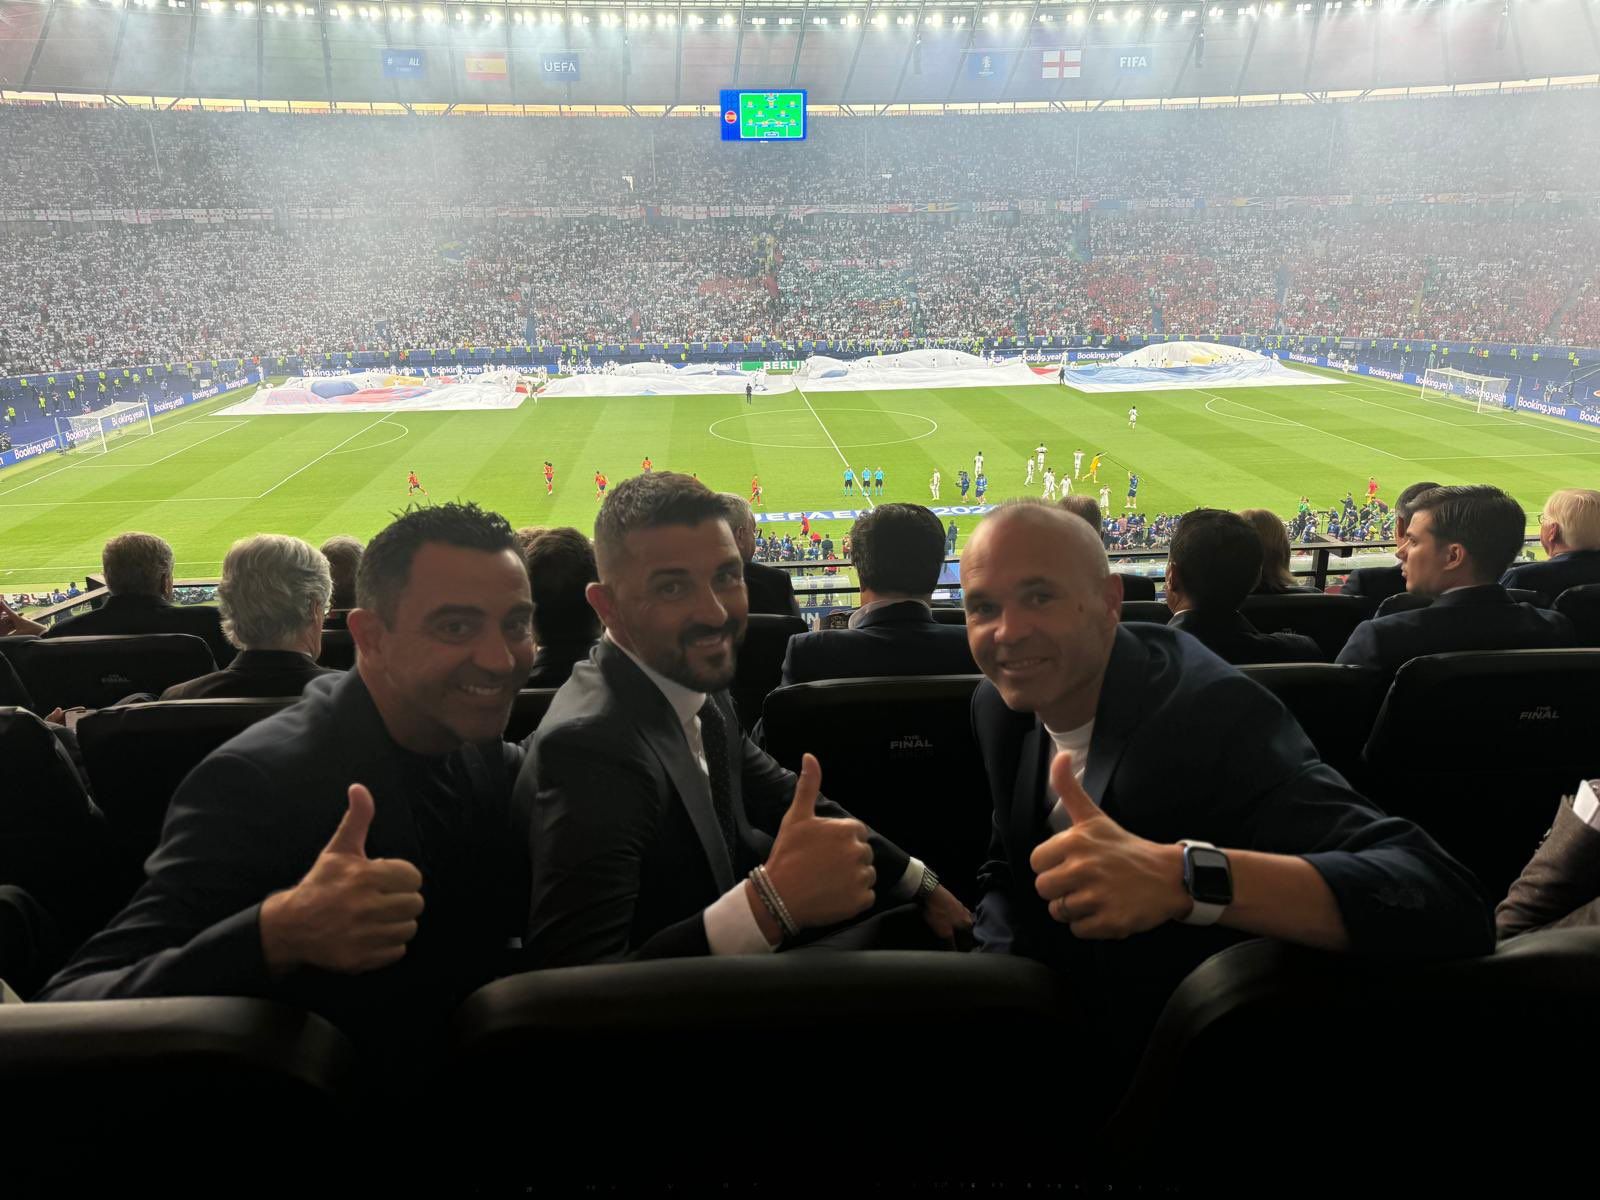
(486, 64)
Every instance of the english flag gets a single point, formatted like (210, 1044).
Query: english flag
(1061, 64)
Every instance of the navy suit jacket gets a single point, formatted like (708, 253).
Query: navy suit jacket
(1232, 638)
(627, 853)
(149, 614)
(771, 590)
(1375, 583)
(1184, 746)
(897, 639)
(252, 818)
(1468, 618)
(1556, 575)
(263, 673)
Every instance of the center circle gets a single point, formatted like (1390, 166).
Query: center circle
(815, 437)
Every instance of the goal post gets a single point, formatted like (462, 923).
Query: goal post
(1483, 392)
(94, 431)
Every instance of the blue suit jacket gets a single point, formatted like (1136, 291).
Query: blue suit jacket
(1184, 746)
(1556, 575)
(1469, 618)
(897, 639)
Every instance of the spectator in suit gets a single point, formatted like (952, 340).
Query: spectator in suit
(344, 561)
(770, 589)
(657, 829)
(1569, 531)
(1276, 578)
(295, 859)
(1213, 564)
(273, 596)
(1458, 543)
(899, 551)
(1377, 584)
(560, 569)
(138, 574)
(1107, 745)
(1560, 886)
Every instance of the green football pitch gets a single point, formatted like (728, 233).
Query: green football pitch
(203, 479)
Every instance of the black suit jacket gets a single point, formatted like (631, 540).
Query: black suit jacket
(897, 639)
(1184, 746)
(252, 818)
(261, 673)
(1556, 575)
(1232, 638)
(627, 853)
(552, 666)
(149, 614)
(1374, 583)
(1469, 618)
(771, 590)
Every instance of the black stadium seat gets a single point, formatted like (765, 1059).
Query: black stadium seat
(527, 710)
(1335, 705)
(98, 671)
(1155, 611)
(898, 753)
(1137, 587)
(1326, 619)
(32, 944)
(947, 615)
(1349, 1063)
(338, 649)
(1478, 746)
(138, 754)
(761, 662)
(1581, 606)
(1411, 601)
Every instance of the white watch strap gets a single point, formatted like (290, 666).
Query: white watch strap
(1202, 913)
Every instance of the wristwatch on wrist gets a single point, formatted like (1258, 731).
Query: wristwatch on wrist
(929, 884)
(1208, 878)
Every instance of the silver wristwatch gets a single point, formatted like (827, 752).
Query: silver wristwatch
(929, 884)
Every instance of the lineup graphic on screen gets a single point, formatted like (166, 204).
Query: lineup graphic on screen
(752, 116)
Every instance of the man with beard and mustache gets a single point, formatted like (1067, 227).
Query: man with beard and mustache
(657, 829)
(354, 854)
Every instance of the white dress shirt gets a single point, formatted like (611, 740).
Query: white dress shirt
(731, 928)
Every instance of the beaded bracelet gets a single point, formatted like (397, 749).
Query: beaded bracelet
(774, 902)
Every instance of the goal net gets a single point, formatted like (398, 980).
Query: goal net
(97, 432)
(1481, 391)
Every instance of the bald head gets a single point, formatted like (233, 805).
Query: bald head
(1078, 544)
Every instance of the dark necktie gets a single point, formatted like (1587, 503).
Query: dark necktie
(714, 740)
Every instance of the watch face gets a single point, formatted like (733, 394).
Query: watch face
(1210, 880)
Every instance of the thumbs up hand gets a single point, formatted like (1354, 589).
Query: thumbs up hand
(350, 913)
(1099, 879)
(820, 866)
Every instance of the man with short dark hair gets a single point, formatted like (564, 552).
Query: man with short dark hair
(1457, 545)
(898, 551)
(657, 829)
(1213, 564)
(561, 567)
(295, 859)
(138, 574)
(1379, 583)
(770, 589)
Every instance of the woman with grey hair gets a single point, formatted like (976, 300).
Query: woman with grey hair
(273, 595)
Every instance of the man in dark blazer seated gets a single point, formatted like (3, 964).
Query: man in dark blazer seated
(1377, 584)
(770, 589)
(138, 573)
(353, 855)
(657, 828)
(1214, 562)
(273, 597)
(1459, 541)
(898, 550)
(560, 569)
(1152, 805)
(1569, 531)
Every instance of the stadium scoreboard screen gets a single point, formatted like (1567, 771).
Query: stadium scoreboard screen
(751, 116)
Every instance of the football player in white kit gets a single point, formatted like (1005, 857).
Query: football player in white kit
(977, 464)
(1029, 479)
(1133, 416)
(1049, 484)
(933, 484)
(1105, 500)
(1039, 453)
(1077, 464)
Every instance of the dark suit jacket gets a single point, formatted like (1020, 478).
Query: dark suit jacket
(252, 818)
(1556, 575)
(897, 639)
(149, 614)
(1560, 886)
(1469, 618)
(627, 853)
(262, 673)
(552, 666)
(13, 692)
(1232, 638)
(771, 590)
(1184, 746)
(1374, 583)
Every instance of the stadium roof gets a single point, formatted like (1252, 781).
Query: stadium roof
(866, 54)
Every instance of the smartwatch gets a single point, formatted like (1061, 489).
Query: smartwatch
(1208, 878)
